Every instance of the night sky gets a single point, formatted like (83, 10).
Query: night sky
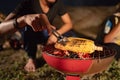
(6, 6)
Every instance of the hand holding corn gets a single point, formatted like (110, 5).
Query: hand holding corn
(79, 45)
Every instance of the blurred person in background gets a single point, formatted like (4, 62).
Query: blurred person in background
(2, 37)
(109, 34)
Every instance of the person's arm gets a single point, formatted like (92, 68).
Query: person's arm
(9, 25)
(10, 16)
(66, 27)
(46, 24)
(67, 24)
(113, 33)
(38, 22)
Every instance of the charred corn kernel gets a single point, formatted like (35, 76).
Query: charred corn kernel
(79, 45)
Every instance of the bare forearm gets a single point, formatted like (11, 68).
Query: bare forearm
(67, 24)
(45, 19)
(8, 26)
(10, 16)
(65, 28)
(114, 32)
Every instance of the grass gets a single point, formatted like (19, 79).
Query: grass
(12, 68)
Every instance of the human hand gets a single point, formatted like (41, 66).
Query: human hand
(33, 20)
(52, 39)
(50, 28)
(37, 22)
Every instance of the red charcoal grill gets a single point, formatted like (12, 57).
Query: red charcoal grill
(75, 68)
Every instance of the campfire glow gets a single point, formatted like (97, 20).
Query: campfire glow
(69, 54)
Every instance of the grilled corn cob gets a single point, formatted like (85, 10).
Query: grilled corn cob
(79, 45)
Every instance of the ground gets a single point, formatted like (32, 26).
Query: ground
(12, 68)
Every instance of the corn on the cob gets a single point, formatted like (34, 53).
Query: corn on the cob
(79, 45)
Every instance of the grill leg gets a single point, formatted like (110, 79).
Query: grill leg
(72, 77)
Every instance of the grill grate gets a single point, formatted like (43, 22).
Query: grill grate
(67, 54)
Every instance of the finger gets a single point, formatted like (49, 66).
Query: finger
(49, 30)
(48, 42)
(53, 27)
(36, 25)
(40, 26)
(34, 28)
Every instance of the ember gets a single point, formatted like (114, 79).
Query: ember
(78, 64)
(69, 54)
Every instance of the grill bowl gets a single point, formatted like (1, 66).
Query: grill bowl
(77, 66)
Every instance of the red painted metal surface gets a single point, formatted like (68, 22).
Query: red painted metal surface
(73, 68)
(72, 77)
(67, 65)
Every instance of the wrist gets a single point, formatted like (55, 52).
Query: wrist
(16, 24)
(21, 22)
(59, 32)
